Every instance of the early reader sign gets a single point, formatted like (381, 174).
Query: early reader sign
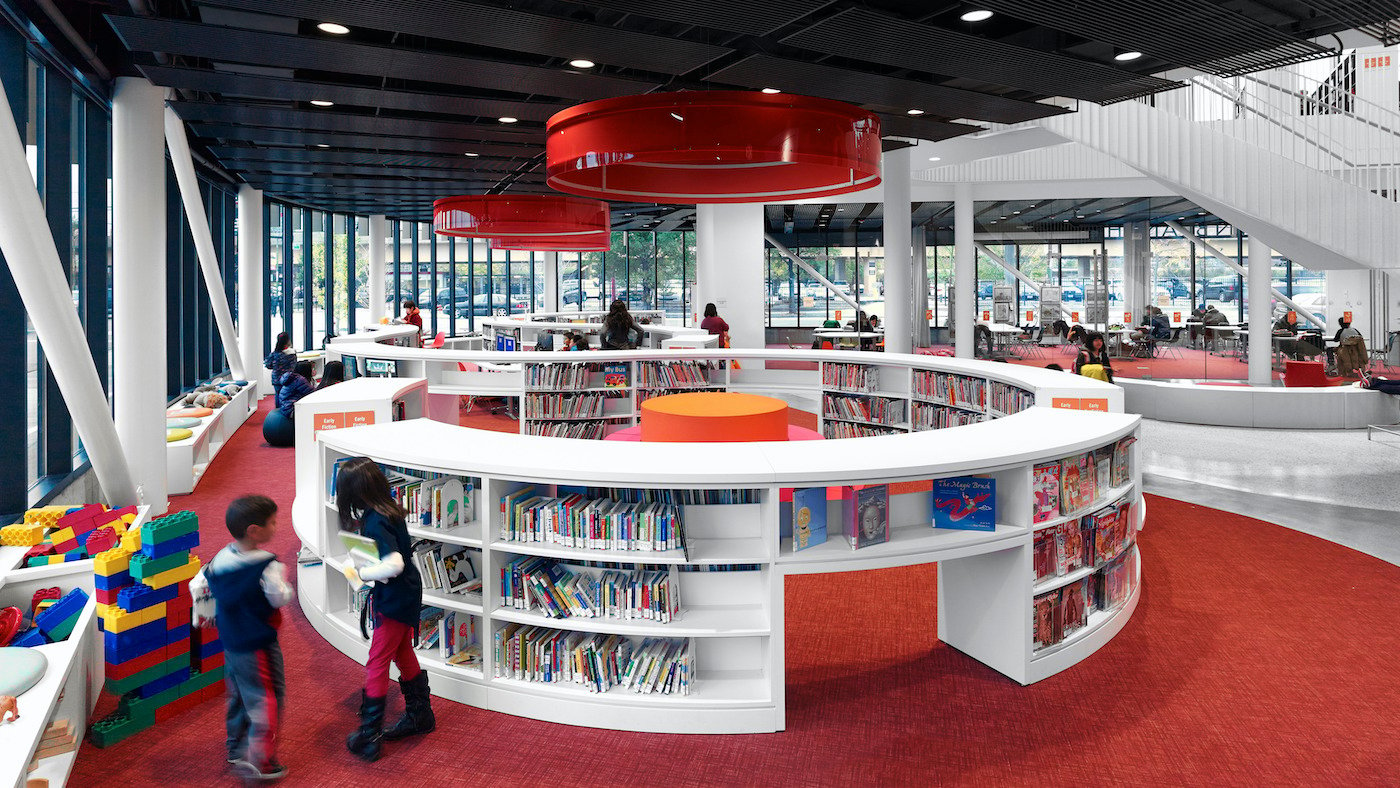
(334, 421)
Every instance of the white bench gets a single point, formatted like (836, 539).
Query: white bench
(186, 460)
(1328, 408)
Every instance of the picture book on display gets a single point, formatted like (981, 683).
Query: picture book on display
(865, 515)
(615, 375)
(458, 643)
(445, 502)
(1076, 483)
(1103, 463)
(1046, 485)
(965, 503)
(808, 517)
(1120, 474)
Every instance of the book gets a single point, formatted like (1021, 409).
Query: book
(458, 572)
(458, 643)
(1074, 606)
(615, 375)
(361, 551)
(1045, 557)
(965, 503)
(444, 503)
(1049, 625)
(1121, 474)
(865, 514)
(1045, 484)
(1103, 463)
(808, 517)
(428, 631)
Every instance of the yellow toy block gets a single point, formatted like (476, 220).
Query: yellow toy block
(175, 575)
(112, 562)
(61, 535)
(21, 535)
(129, 518)
(131, 540)
(121, 621)
(106, 612)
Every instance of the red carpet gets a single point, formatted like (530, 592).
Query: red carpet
(1258, 655)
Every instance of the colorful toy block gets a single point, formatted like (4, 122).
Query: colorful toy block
(140, 596)
(106, 596)
(122, 621)
(178, 544)
(52, 592)
(131, 651)
(58, 620)
(178, 648)
(131, 540)
(104, 538)
(143, 566)
(169, 577)
(117, 560)
(177, 617)
(113, 581)
(74, 527)
(121, 670)
(44, 515)
(21, 534)
(149, 635)
(115, 727)
(203, 680)
(32, 637)
(38, 550)
(160, 670)
(169, 527)
(210, 662)
(176, 634)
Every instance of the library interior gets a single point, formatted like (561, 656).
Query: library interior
(1069, 331)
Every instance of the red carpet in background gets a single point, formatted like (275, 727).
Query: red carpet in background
(1258, 655)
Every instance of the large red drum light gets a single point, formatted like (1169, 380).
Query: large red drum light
(600, 242)
(506, 216)
(712, 147)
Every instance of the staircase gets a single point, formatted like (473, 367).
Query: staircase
(1313, 173)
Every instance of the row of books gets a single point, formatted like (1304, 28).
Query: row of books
(576, 521)
(1009, 399)
(1087, 541)
(675, 497)
(563, 406)
(445, 567)
(430, 500)
(946, 387)
(557, 591)
(963, 503)
(595, 661)
(559, 376)
(859, 378)
(453, 634)
(843, 429)
(581, 430)
(1078, 482)
(1060, 613)
(880, 410)
(937, 417)
(645, 394)
(673, 374)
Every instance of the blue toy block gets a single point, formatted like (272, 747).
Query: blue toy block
(177, 635)
(58, 620)
(121, 654)
(34, 637)
(139, 596)
(112, 582)
(170, 546)
(173, 679)
(76, 555)
(209, 649)
(152, 634)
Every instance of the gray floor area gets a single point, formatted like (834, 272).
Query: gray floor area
(1334, 484)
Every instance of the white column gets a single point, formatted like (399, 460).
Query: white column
(139, 283)
(1260, 294)
(551, 281)
(378, 232)
(921, 283)
(964, 270)
(729, 268)
(1137, 270)
(183, 165)
(250, 285)
(899, 268)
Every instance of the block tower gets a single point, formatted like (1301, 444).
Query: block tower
(155, 663)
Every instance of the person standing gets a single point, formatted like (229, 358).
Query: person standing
(281, 360)
(715, 325)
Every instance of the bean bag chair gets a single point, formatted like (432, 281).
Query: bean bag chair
(177, 434)
(183, 421)
(197, 413)
(279, 431)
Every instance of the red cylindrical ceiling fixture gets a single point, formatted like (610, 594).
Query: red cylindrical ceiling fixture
(507, 216)
(599, 242)
(723, 146)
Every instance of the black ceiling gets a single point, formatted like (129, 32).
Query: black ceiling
(418, 88)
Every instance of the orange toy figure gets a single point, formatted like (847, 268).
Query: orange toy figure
(9, 705)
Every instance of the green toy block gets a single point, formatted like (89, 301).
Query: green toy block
(144, 709)
(201, 680)
(114, 727)
(123, 686)
(171, 526)
(143, 567)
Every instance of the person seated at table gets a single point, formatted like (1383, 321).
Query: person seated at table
(860, 323)
(1286, 329)
(1194, 322)
(874, 322)
(1161, 325)
(871, 325)
(1345, 330)
(620, 331)
(333, 373)
(1093, 361)
(1214, 317)
(1075, 335)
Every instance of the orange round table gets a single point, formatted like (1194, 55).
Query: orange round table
(714, 417)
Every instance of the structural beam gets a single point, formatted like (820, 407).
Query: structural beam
(183, 163)
(1261, 338)
(899, 269)
(812, 272)
(250, 280)
(378, 271)
(964, 271)
(1225, 259)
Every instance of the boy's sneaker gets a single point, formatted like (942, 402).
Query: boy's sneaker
(267, 773)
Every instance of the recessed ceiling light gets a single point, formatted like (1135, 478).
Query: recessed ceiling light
(977, 16)
(935, 158)
(507, 119)
(771, 90)
(322, 145)
(915, 112)
(581, 63)
(677, 116)
(840, 210)
(333, 28)
(473, 155)
(322, 103)
(1124, 57)
(1200, 213)
(1016, 212)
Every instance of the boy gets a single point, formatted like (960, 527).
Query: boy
(241, 589)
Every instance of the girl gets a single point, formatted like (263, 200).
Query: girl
(367, 506)
(715, 324)
(281, 360)
(1092, 360)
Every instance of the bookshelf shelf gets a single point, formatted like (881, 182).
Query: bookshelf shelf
(901, 425)
(1101, 627)
(465, 603)
(944, 404)
(908, 544)
(731, 621)
(1114, 495)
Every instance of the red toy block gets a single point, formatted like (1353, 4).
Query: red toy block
(177, 618)
(41, 595)
(37, 551)
(209, 663)
(206, 635)
(176, 707)
(179, 603)
(104, 538)
(212, 691)
(121, 670)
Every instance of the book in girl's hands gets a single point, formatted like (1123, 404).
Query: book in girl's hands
(808, 517)
(1076, 483)
(965, 503)
(1045, 482)
(458, 572)
(865, 514)
(1103, 463)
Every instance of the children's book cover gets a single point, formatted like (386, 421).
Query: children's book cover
(615, 375)
(865, 513)
(1120, 475)
(808, 517)
(965, 503)
(1046, 483)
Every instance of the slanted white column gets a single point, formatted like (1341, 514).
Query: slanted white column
(899, 265)
(250, 285)
(551, 282)
(729, 268)
(183, 164)
(378, 237)
(1137, 270)
(139, 283)
(964, 270)
(1261, 313)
